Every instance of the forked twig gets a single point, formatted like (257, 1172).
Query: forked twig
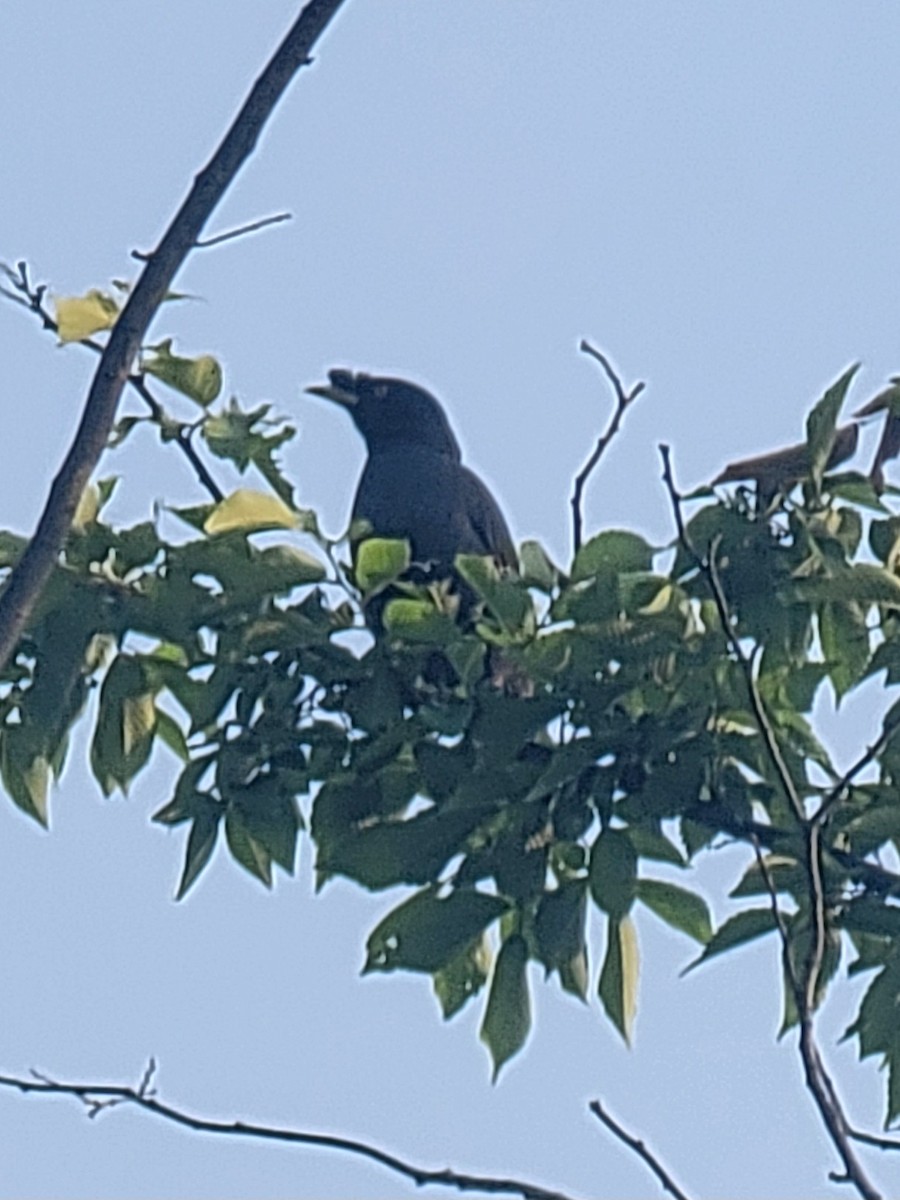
(623, 400)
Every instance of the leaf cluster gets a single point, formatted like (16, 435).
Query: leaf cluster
(530, 777)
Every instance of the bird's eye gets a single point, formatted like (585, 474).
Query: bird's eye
(381, 391)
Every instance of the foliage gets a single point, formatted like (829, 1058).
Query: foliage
(523, 777)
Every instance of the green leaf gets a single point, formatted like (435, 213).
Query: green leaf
(427, 932)
(877, 1028)
(559, 929)
(861, 583)
(261, 826)
(678, 907)
(25, 771)
(391, 852)
(845, 644)
(743, 927)
(419, 621)
(463, 977)
(617, 986)
(200, 379)
(613, 872)
(200, 845)
(379, 562)
(279, 569)
(884, 540)
(126, 724)
(169, 731)
(614, 549)
(821, 425)
(241, 436)
(505, 595)
(11, 547)
(536, 568)
(507, 1017)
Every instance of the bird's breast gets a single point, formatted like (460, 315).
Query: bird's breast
(411, 493)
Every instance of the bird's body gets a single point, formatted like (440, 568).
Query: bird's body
(414, 484)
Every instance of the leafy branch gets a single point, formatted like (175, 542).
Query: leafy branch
(805, 987)
(36, 564)
(32, 298)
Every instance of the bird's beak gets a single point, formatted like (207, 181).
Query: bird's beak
(332, 391)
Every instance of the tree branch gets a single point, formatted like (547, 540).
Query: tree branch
(242, 230)
(639, 1149)
(623, 400)
(805, 990)
(33, 569)
(99, 1097)
(182, 439)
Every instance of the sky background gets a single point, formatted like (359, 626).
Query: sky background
(708, 193)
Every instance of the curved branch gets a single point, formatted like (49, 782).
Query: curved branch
(98, 1097)
(33, 569)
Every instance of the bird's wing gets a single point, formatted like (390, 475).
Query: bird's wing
(486, 520)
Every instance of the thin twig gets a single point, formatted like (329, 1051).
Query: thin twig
(872, 1139)
(182, 438)
(623, 400)
(33, 569)
(639, 1149)
(205, 243)
(98, 1097)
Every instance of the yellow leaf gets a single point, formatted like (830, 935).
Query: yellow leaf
(631, 968)
(79, 316)
(249, 512)
(88, 507)
(138, 720)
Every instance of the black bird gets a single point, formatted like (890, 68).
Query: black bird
(414, 484)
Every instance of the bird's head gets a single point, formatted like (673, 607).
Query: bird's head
(390, 413)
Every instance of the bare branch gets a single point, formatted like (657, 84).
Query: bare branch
(871, 1139)
(182, 439)
(639, 1149)
(205, 243)
(623, 400)
(34, 567)
(99, 1097)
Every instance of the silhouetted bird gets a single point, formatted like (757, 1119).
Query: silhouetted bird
(414, 485)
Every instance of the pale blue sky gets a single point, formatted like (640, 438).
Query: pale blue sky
(707, 192)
